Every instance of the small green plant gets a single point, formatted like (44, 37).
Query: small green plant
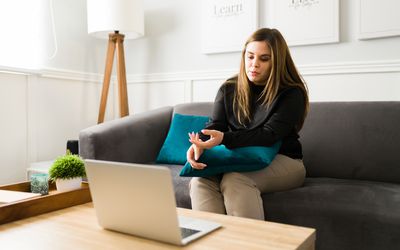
(67, 167)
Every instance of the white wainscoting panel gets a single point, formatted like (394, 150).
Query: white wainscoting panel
(13, 127)
(354, 87)
(152, 95)
(64, 107)
(206, 90)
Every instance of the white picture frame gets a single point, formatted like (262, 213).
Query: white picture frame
(305, 22)
(388, 23)
(226, 24)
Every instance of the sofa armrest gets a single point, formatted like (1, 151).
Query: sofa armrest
(136, 138)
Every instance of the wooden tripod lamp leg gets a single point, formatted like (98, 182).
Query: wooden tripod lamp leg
(121, 74)
(107, 77)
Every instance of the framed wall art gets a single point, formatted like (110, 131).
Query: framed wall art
(226, 24)
(388, 23)
(304, 22)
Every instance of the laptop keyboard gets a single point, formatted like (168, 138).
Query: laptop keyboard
(186, 232)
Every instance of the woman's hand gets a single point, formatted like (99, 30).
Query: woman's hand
(193, 155)
(215, 138)
(198, 146)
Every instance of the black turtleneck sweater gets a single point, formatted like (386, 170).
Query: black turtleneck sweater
(268, 125)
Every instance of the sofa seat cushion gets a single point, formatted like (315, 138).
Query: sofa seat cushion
(342, 211)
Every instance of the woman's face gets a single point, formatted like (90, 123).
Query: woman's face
(257, 60)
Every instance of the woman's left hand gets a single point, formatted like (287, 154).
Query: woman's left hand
(215, 138)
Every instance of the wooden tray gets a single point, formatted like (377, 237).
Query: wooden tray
(42, 204)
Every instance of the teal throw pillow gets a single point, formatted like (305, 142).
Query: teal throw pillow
(177, 141)
(220, 160)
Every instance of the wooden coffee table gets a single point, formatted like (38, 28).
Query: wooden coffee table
(76, 228)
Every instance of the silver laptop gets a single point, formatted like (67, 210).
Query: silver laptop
(139, 200)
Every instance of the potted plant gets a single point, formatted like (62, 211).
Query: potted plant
(67, 171)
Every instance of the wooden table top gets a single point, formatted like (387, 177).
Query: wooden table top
(76, 228)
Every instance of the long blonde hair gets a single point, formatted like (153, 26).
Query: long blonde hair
(283, 74)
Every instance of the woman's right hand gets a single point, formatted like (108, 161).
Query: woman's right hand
(193, 155)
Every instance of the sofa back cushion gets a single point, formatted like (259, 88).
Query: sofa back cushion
(197, 108)
(353, 140)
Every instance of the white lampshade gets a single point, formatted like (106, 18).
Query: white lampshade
(107, 16)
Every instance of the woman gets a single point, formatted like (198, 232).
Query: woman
(265, 103)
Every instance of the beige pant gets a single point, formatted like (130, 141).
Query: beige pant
(239, 194)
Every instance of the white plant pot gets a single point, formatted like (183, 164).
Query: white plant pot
(68, 184)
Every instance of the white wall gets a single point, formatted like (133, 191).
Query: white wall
(19, 28)
(171, 48)
(41, 109)
(173, 40)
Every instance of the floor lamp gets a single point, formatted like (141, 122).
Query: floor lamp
(116, 20)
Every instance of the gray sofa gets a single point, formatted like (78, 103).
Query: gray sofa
(351, 152)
